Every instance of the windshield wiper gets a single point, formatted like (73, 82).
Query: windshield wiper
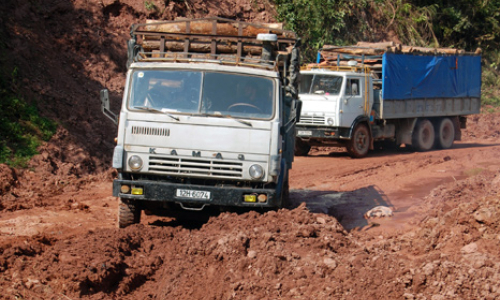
(230, 117)
(157, 110)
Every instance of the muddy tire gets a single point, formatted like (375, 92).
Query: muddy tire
(285, 193)
(423, 136)
(445, 134)
(359, 144)
(128, 214)
(301, 147)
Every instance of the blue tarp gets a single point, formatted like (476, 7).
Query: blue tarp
(408, 76)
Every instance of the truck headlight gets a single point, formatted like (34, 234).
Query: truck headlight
(135, 162)
(330, 121)
(256, 171)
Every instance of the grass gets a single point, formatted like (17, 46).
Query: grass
(22, 129)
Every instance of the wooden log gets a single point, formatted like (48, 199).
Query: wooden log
(356, 50)
(380, 45)
(200, 47)
(206, 27)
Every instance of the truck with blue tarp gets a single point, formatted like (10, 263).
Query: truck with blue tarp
(362, 97)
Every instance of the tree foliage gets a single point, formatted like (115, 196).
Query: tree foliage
(464, 24)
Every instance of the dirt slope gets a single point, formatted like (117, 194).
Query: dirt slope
(58, 235)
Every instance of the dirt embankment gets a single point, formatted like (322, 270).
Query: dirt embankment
(58, 235)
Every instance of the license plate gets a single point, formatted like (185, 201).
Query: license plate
(305, 132)
(204, 195)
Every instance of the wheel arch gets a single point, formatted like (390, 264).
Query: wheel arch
(362, 120)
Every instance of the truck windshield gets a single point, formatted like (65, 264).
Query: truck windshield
(320, 84)
(204, 93)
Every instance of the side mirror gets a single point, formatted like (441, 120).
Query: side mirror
(105, 106)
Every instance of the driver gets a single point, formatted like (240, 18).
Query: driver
(250, 93)
(248, 100)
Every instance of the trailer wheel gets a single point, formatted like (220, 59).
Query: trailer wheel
(128, 214)
(423, 136)
(445, 134)
(359, 144)
(301, 147)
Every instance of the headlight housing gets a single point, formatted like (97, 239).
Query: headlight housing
(135, 162)
(256, 171)
(329, 121)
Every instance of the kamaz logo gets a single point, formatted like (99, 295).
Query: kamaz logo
(196, 153)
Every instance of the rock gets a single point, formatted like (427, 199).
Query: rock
(485, 215)
(332, 264)
(470, 248)
(379, 212)
(321, 220)
(252, 254)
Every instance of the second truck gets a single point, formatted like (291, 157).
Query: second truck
(360, 97)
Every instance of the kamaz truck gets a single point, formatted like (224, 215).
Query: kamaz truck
(366, 96)
(207, 118)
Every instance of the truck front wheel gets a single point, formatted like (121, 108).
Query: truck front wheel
(128, 213)
(423, 136)
(301, 147)
(359, 144)
(445, 134)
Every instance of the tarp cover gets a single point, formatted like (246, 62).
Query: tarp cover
(407, 76)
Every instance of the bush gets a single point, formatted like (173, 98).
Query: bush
(22, 129)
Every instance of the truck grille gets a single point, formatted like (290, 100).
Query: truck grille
(142, 130)
(195, 167)
(312, 120)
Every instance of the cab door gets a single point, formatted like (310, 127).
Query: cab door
(353, 101)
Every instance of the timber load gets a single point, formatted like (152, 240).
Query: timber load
(207, 38)
(370, 54)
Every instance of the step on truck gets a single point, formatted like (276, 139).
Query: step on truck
(207, 118)
(384, 95)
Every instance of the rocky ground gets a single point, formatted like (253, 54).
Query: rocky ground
(58, 235)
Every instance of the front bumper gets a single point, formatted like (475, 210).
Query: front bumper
(307, 132)
(221, 196)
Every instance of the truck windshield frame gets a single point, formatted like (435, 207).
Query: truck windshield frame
(320, 84)
(204, 93)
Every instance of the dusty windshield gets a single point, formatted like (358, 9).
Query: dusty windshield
(207, 93)
(320, 84)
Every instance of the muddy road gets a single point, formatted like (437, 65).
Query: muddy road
(441, 240)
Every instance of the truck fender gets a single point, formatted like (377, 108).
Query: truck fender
(362, 119)
(282, 175)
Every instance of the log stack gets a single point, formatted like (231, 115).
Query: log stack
(209, 35)
(370, 54)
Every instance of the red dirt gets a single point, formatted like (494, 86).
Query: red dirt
(58, 235)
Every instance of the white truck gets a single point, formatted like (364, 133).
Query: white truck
(361, 97)
(207, 118)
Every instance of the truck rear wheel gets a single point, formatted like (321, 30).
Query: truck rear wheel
(445, 134)
(359, 144)
(301, 147)
(128, 214)
(423, 136)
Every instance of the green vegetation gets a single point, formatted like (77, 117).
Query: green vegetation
(22, 129)
(150, 5)
(464, 24)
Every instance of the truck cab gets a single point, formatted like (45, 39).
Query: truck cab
(334, 104)
(199, 129)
